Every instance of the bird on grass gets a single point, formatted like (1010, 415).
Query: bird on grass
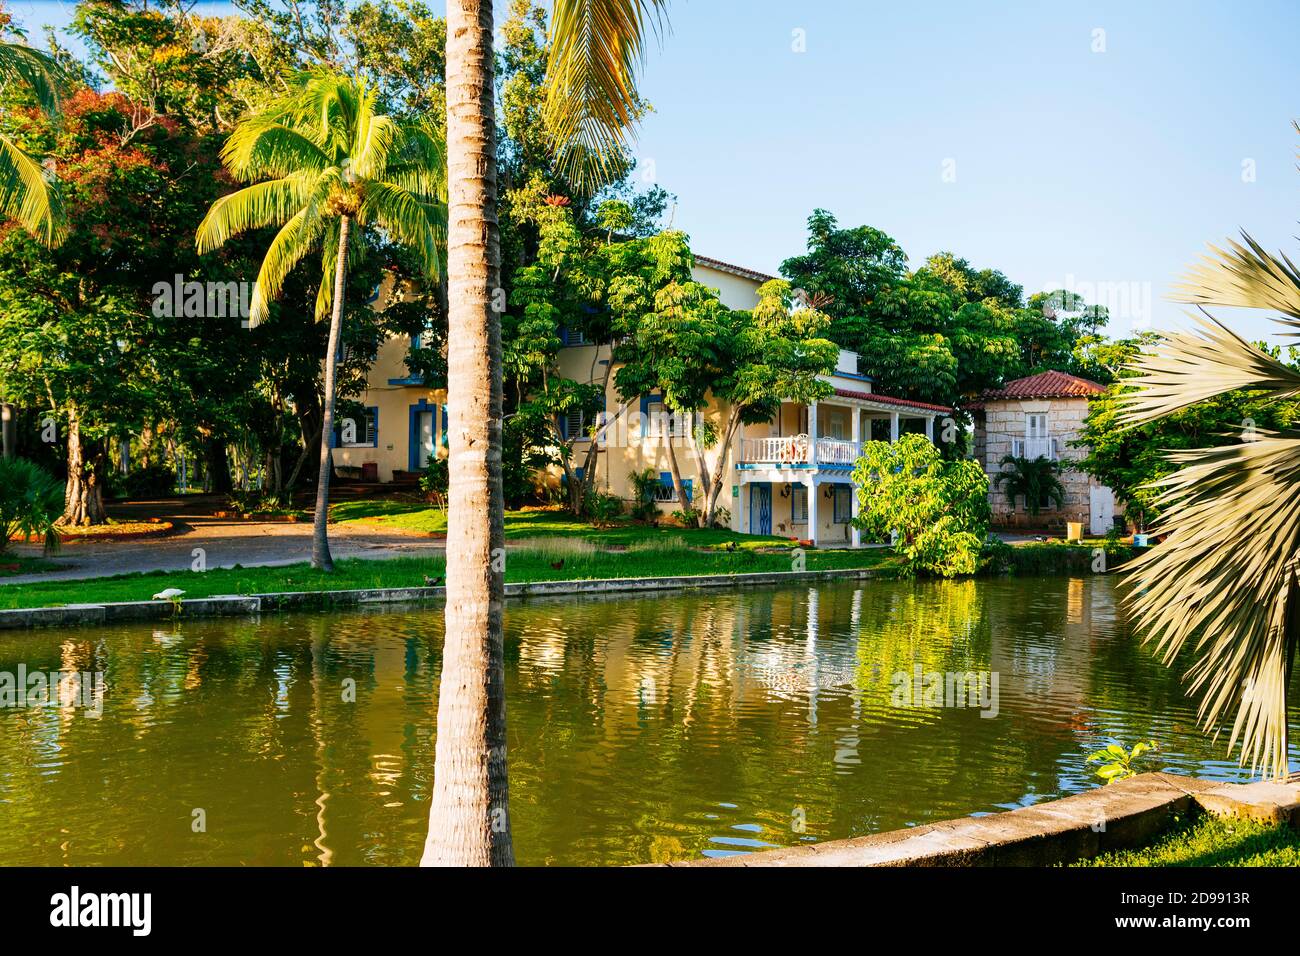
(730, 546)
(432, 582)
(557, 565)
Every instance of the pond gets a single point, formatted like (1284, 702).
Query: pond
(641, 729)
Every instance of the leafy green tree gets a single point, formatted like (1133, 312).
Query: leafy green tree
(322, 161)
(1034, 479)
(938, 510)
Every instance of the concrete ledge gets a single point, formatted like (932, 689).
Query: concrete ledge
(1269, 801)
(226, 605)
(1125, 814)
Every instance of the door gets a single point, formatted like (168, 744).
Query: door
(1101, 509)
(760, 508)
(424, 435)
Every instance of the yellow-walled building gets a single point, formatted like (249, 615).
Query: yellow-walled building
(791, 476)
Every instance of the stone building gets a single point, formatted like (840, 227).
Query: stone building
(1040, 416)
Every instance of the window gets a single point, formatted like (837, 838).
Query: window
(573, 424)
(661, 422)
(573, 336)
(1036, 426)
(843, 504)
(799, 503)
(352, 433)
(666, 493)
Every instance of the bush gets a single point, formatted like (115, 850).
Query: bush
(939, 509)
(152, 481)
(31, 501)
(603, 508)
(644, 484)
(435, 480)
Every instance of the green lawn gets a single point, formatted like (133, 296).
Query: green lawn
(1213, 841)
(525, 525)
(13, 564)
(560, 559)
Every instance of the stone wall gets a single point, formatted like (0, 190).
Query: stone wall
(1003, 421)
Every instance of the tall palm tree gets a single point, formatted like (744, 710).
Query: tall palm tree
(324, 163)
(27, 194)
(1225, 582)
(595, 47)
(1034, 479)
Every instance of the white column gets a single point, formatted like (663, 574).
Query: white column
(893, 427)
(855, 536)
(812, 433)
(929, 427)
(813, 524)
(742, 508)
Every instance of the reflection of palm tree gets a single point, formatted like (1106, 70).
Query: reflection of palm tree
(1226, 581)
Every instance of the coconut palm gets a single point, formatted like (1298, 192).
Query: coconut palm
(323, 163)
(1033, 478)
(595, 47)
(1225, 582)
(27, 193)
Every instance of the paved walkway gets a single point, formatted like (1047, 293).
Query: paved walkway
(225, 542)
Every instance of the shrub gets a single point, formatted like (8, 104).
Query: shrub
(938, 509)
(644, 484)
(31, 501)
(604, 508)
(435, 480)
(152, 481)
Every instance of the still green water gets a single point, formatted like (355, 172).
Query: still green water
(640, 729)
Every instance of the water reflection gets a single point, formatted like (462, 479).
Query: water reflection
(640, 730)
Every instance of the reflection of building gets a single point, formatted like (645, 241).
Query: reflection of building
(1039, 417)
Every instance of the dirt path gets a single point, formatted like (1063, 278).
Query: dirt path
(225, 543)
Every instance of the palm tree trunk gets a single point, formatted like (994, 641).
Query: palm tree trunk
(469, 820)
(320, 544)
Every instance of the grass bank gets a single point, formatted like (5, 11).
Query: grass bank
(1213, 841)
(556, 560)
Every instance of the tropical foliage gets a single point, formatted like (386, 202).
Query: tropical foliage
(1222, 588)
(31, 500)
(937, 511)
(323, 161)
(1035, 481)
(27, 191)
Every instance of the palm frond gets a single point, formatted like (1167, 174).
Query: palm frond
(1186, 368)
(1224, 584)
(409, 220)
(36, 70)
(591, 98)
(272, 203)
(294, 241)
(1247, 277)
(263, 146)
(27, 197)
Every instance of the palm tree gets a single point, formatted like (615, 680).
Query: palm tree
(323, 163)
(1034, 478)
(1225, 582)
(27, 195)
(595, 46)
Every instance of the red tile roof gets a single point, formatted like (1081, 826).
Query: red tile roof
(1051, 384)
(890, 400)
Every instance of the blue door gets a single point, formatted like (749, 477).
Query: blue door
(760, 508)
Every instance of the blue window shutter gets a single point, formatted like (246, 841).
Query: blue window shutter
(578, 473)
(686, 487)
(666, 479)
(444, 426)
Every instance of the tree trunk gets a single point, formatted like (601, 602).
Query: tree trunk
(469, 818)
(83, 497)
(713, 478)
(9, 428)
(320, 544)
(675, 470)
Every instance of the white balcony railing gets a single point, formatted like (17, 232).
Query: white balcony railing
(1032, 448)
(799, 450)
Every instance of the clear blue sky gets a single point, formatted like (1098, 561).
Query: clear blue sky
(1112, 167)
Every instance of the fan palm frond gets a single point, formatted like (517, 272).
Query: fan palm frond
(1223, 586)
(1247, 277)
(1190, 367)
(591, 98)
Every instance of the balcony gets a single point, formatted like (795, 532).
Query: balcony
(800, 450)
(1032, 448)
